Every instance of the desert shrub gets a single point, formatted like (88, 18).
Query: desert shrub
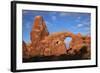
(84, 49)
(83, 37)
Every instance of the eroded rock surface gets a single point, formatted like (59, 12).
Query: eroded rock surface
(45, 44)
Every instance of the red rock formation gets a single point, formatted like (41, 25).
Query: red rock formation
(25, 50)
(54, 44)
(39, 31)
(87, 43)
(75, 44)
(45, 44)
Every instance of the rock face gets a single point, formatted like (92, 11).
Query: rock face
(76, 44)
(45, 44)
(39, 31)
(54, 44)
(25, 50)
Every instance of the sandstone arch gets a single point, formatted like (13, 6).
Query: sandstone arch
(55, 42)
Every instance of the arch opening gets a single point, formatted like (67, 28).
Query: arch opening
(67, 42)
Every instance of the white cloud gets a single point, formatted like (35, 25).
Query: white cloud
(27, 25)
(53, 17)
(48, 23)
(64, 14)
(79, 18)
(79, 25)
(84, 24)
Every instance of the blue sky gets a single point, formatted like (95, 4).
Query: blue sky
(74, 22)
